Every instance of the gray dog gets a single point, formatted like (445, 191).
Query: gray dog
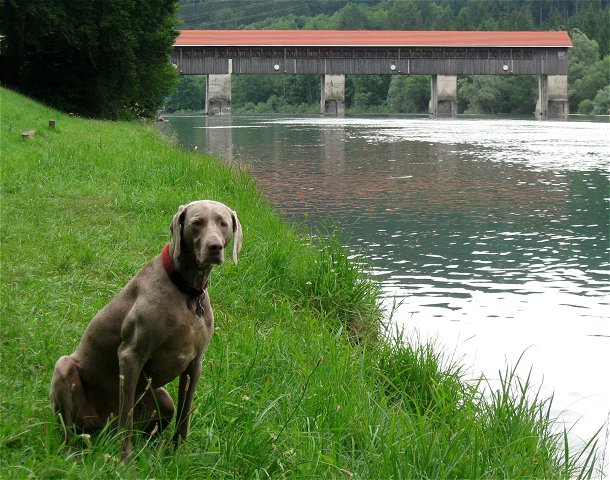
(156, 329)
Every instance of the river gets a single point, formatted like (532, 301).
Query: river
(492, 235)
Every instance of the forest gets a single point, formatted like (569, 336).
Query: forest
(98, 59)
(587, 21)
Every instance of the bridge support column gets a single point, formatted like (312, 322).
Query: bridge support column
(218, 93)
(552, 97)
(332, 97)
(443, 96)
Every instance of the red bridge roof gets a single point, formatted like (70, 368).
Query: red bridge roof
(370, 38)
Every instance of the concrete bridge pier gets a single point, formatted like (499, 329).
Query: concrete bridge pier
(218, 93)
(443, 96)
(332, 97)
(552, 97)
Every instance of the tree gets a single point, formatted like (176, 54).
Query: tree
(365, 91)
(521, 94)
(106, 59)
(585, 107)
(581, 58)
(464, 20)
(601, 102)
(595, 78)
(442, 18)
(518, 21)
(409, 94)
(498, 94)
(189, 94)
(352, 17)
(299, 89)
(582, 55)
(553, 21)
(404, 15)
(482, 93)
(252, 88)
(594, 21)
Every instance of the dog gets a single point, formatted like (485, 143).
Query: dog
(155, 330)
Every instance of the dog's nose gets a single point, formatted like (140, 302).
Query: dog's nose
(215, 248)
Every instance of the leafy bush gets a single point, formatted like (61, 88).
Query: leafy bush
(601, 102)
(585, 107)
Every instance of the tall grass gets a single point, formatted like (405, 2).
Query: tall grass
(296, 382)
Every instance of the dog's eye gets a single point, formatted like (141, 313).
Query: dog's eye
(224, 224)
(197, 223)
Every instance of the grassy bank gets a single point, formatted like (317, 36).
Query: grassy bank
(286, 391)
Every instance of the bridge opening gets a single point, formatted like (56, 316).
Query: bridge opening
(277, 93)
(412, 94)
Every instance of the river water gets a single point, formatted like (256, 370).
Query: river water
(491, 234)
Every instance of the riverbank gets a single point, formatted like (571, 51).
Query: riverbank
(286, 389)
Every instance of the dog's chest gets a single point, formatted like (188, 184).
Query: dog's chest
(183, 344)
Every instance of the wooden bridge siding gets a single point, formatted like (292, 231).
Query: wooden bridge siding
(202, 66)
(197, 61)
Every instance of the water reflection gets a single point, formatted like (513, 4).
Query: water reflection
(219, 136)
(443, 209)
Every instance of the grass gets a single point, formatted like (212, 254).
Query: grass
(297, 382)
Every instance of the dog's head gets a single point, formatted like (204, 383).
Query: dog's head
(203, 229)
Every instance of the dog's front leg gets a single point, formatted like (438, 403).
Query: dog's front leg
(188, 382)
(130, 367)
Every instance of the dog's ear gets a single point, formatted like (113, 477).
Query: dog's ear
(238, 236)
(176, 229)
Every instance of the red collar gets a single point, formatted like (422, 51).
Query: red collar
(175, 276)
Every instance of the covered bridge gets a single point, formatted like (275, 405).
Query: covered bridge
(332, 53)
